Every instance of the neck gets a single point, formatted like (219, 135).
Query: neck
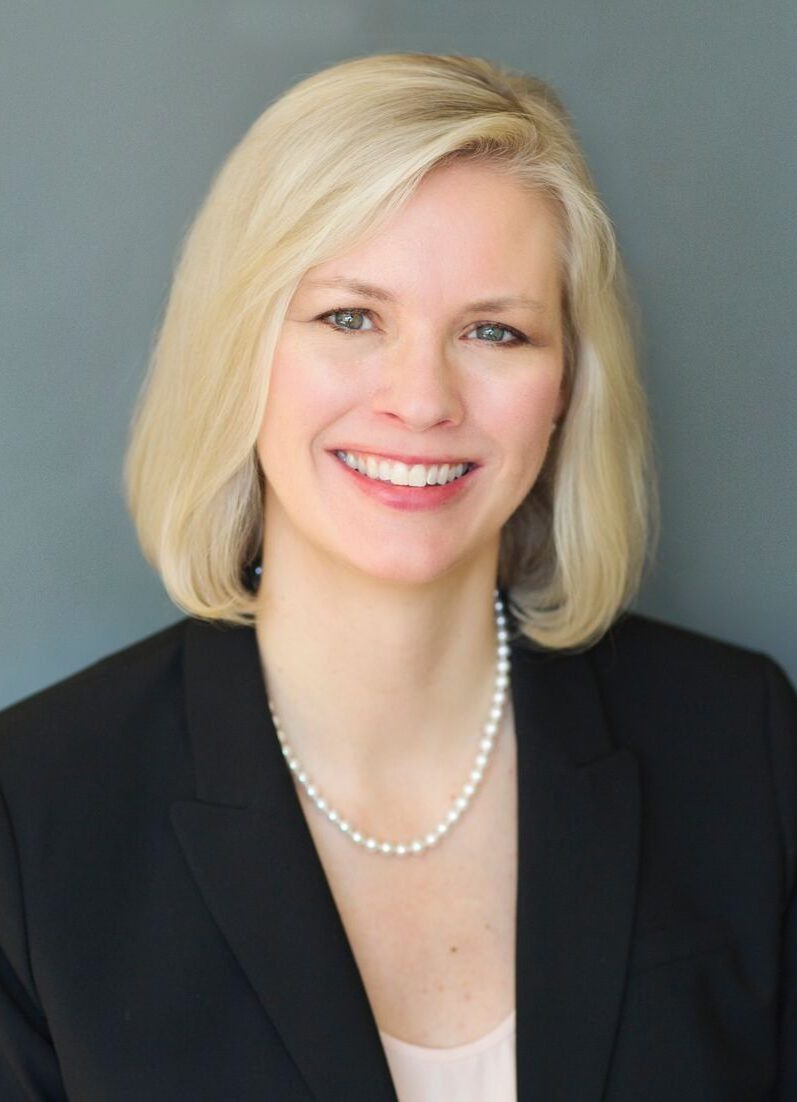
(377, 684)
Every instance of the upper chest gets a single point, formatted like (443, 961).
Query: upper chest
(434, 936)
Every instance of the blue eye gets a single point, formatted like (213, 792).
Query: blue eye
(350, 321)
(491, 328)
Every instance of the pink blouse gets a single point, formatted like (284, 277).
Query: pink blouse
(481, 1071)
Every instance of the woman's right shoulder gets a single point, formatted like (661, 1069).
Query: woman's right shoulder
(122, 692)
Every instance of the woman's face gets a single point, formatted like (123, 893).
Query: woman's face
(434, 344)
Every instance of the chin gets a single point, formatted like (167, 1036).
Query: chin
(421, 566)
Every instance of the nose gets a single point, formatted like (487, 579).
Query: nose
(419, 385)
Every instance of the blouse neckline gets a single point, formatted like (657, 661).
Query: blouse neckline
(472, 1048)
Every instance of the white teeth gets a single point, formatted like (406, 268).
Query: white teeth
(399, 474)
(385, 470)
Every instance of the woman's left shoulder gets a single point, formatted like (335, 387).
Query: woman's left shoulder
(700, 702)
(654, 652)
(715, 723)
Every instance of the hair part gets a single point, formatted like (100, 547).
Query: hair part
(326, 165)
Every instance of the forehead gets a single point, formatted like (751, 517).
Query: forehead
(467, 231)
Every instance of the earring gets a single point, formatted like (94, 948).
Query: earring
(251, 575)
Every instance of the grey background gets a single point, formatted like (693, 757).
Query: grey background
(118, 114)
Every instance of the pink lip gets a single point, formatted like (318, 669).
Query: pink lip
(405, 498)
(426, 460)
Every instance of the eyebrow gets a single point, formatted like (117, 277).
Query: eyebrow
(370, 290)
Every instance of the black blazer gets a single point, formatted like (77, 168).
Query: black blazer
(167, 932)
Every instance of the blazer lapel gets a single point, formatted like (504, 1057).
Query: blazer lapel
(578, 854)
(250, 850)
(248, 846)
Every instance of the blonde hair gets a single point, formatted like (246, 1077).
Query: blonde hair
(324, 166)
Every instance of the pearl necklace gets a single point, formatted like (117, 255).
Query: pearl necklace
(418, 845)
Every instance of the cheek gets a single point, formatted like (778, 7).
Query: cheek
(303, 397)
(521, 416)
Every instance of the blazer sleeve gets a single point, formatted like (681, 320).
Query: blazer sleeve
(782, 736)
(29, 1070)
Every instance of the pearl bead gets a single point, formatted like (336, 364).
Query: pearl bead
(418, 845)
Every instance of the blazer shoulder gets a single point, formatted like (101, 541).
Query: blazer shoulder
(656, 675)
(638, 641)
(128, 663)
(660, 652)
(717, 702)
(101, 696)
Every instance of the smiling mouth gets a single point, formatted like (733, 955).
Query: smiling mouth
(396, 473)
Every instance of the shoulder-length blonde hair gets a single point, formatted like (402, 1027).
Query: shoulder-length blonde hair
(323, 167)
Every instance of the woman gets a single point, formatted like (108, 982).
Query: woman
(409, 806)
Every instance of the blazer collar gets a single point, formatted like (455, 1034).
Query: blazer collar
(248, 846)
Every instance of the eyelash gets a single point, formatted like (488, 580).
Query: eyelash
(520, 338)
